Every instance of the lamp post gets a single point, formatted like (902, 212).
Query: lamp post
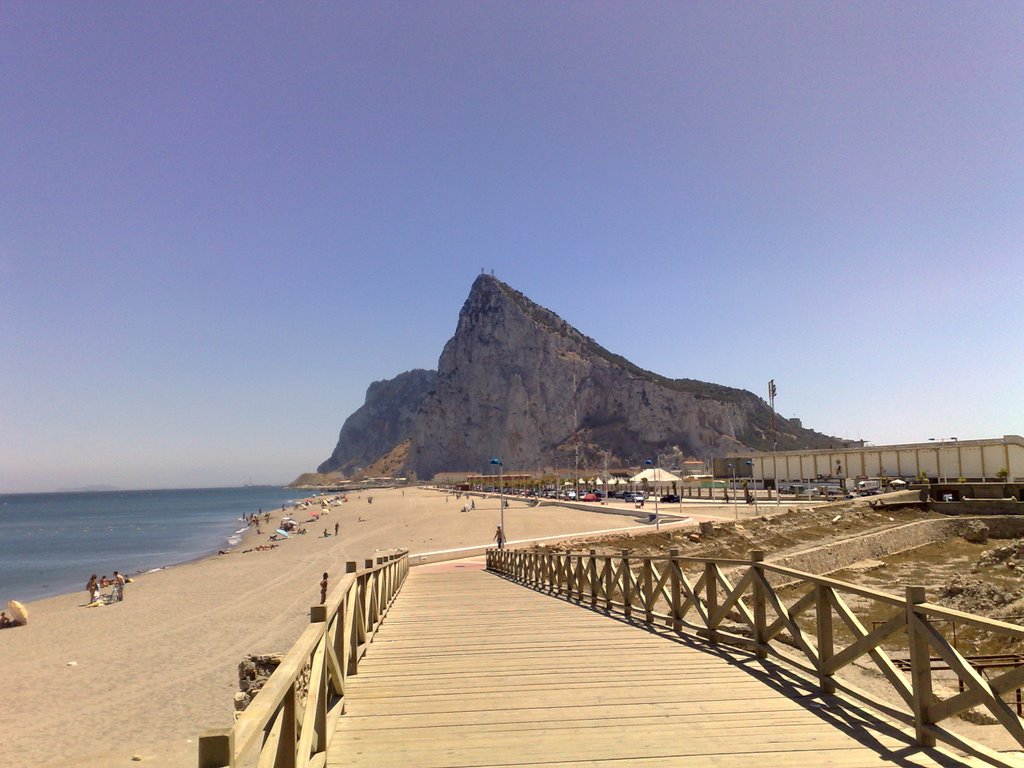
(501, 496)
(657, 515)
(735, 509)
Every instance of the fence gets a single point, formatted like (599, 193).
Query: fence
(695, 595)
(285, 726)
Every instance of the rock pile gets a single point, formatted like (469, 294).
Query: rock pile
(254, 671)
(975, 531)
(1009, 555)
(975, 596)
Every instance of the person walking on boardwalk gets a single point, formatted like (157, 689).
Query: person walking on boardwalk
(323, 589)
(499, 536)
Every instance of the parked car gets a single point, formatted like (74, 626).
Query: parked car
(589, 497)
(670, 498)
(628, 496)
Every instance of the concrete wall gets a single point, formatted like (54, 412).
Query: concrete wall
(941, 460)
(978, 507)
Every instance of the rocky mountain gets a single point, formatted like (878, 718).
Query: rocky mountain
(383, 422)
(505, 387)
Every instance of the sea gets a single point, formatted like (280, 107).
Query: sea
(51, 543)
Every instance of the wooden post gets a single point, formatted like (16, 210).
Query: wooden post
(322, 696)
(581, 577)
(217, 748)
(711, 599)
(760, 605)
(350, 566)
(368, 564)
(286, 745)
(675, 584)
(317, 613)
(920, 669)
(609, 583)
(648, 590)
(627, 583)
(826, 645)
(592, 571)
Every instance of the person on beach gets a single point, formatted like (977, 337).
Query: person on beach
(336, 527)
(499, 536)
(93, 588)
(323, 589)
(118, 586)
(6, 622)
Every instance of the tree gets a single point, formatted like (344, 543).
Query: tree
(1002, 474)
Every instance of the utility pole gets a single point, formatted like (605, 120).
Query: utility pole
(575, 435)
(775, 441)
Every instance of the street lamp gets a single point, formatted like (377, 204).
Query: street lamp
(735, 509)
(501, 496)
(657, 515)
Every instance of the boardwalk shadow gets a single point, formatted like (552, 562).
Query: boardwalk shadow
(857, 722)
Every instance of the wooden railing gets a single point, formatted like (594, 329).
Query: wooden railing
(283, 728)
(696, 596)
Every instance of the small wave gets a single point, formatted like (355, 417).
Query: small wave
(154, 570)
(234, 539)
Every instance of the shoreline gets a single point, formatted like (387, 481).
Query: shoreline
(54, 541)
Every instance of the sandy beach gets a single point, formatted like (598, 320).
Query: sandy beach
(97, 687)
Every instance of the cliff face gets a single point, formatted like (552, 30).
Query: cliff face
(504, 387)
(384, 421)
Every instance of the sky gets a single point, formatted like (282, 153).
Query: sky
(220, 222)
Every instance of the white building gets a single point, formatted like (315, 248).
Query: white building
(941, 460)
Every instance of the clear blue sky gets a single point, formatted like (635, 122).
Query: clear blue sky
(220, 222)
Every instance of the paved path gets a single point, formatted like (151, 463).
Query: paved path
(469, 669)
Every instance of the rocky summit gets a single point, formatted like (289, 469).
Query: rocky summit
(517, 381)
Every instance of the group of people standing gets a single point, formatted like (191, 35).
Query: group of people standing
(95, 584)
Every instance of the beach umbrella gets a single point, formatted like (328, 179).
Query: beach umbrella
(283, 532)
(18, 611)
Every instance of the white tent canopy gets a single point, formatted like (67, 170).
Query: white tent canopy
(655, 476)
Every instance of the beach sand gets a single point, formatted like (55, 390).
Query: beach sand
(96, 686)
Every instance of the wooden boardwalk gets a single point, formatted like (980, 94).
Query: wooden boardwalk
(469, 669)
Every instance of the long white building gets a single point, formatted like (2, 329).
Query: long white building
(941, 460)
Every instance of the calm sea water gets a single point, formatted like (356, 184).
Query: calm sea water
(50, 543)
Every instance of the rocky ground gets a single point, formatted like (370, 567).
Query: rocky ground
(790, 531)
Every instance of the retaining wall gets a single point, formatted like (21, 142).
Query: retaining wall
(872, 546)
